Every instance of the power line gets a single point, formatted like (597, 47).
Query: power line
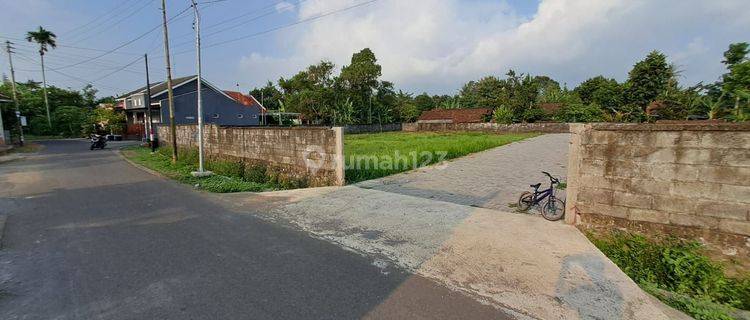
(241, 16)
(122, 45)
(67, 46)
(99, 32)
(100, 16)
(116, 71)
(99, 65)
(317, 17)
(81, 80)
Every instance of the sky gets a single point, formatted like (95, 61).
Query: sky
(432, 46)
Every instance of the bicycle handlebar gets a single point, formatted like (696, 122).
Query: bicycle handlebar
(551, 178)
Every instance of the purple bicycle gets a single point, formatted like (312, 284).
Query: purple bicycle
(553, 209)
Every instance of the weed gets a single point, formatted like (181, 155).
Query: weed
(679, 267)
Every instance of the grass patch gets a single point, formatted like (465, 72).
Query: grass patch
(227, 177)
(370, 156)
(679, 273)
(28, 147)
(31, 137)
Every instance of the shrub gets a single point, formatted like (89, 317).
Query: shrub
(674, 265)
(503, 115)
(38, 126)
(256, 173)
(580, 113)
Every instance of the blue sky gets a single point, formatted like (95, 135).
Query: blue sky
(423, 45)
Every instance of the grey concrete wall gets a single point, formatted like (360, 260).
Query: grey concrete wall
(372, 128)
(547, 127)
(313, 154)
(691, 181)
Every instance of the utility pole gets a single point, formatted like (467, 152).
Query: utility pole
(170, 93)
(150, 126)
(13, 87)
(201, 172)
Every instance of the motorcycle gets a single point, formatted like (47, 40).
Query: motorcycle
(98, 141)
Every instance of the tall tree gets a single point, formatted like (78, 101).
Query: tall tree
(360, 80)
(484, 93)
(309, 92)
(89, 96)
(424, 102)
(46, 40)
(606, 93)
(648, 79)
(736, 53)
(736, 83)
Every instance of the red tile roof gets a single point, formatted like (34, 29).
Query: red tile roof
(457, 115)
(244, 99)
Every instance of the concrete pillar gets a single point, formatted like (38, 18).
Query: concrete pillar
(340, 159)
(574, 166)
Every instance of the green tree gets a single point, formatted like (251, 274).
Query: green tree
(46, 40)
(406, 108)
(359, 80)
(88, 93)
(484, 93)
(107, 120)
(736, 53)
(268, 95)
(309, 92)
(579, 112)
(736, 83)
(69, 120)
(599, 90)
(647, 80)
(424, 102)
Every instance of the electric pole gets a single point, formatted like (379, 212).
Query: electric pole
(147, 118)
(201, 172)
(15, 96)
(170, 94)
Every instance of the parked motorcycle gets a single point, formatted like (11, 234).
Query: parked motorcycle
(98, 141)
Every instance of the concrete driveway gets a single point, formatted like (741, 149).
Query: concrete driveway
(490, 179)
(89, 236)
(439, 223)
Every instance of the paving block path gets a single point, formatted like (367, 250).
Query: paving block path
(490, 179)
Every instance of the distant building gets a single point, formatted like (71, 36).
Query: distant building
(219, 107)
(473, 115)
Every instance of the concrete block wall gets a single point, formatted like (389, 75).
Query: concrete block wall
(546, 127)
(310, 153)
(691, 181)
(372, 128)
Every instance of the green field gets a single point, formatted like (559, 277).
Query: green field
(370, 156)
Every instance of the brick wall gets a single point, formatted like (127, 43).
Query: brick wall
(312, 154)
(691, 181)
(547, 127)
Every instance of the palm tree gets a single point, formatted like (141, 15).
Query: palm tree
(45, 39)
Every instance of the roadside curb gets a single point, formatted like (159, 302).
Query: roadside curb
(10, 157)
(3, 219)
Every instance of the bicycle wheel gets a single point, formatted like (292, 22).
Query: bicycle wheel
(525, 201)
(554, 210)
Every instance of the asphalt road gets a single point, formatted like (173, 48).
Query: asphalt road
(88, 236)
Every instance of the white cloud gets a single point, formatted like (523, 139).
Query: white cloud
(436, 45)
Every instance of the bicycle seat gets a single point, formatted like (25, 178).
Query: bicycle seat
(535, 186)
